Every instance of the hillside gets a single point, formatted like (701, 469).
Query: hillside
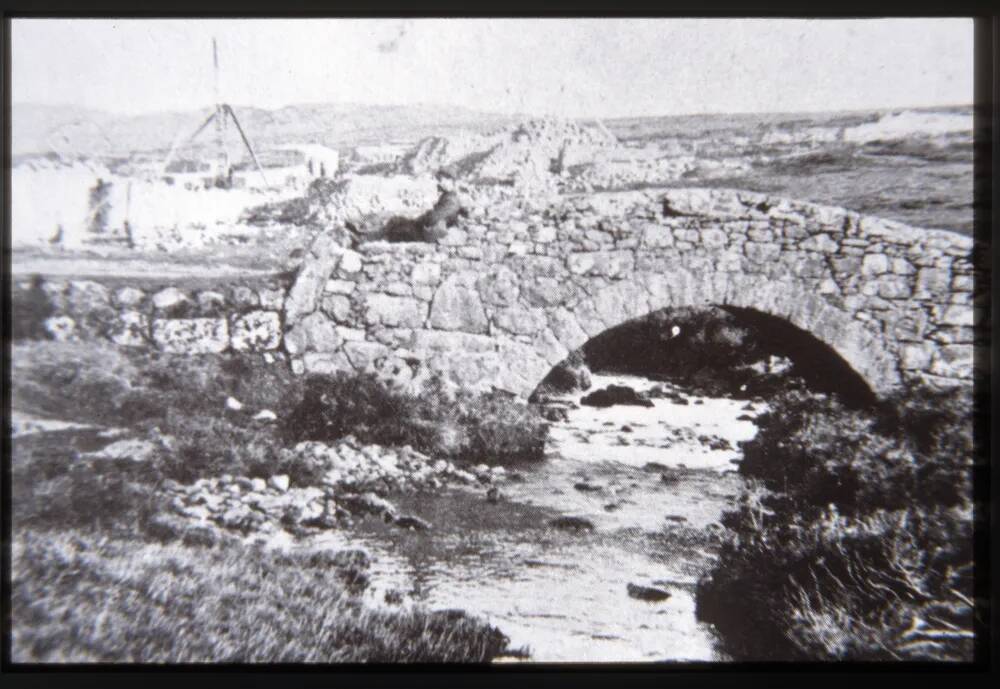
(38, 128)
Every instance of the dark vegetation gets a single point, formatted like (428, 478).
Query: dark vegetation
(82, 596)
(178, 403)
(459, 425)
(854, 541)
(102, 573)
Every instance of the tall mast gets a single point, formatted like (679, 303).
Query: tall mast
(220, 115)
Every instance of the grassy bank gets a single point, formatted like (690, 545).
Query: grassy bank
(102, 574)
(81, 596)
(854, 540)
(183, 397)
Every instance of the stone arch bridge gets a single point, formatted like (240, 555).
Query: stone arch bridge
(510, 292)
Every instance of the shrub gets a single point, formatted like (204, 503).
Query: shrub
(461, 425)
(817, 452)
(85, 495)
(845, 588)
(854, 539)
(29, 310)
(207, 446)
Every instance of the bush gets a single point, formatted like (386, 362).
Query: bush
(844, 588)
(83, 495)
(463, 425)
(29, 310)
(854, 540)
(908, 451)
(207, 446)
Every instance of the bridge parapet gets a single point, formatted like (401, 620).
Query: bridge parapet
(510, 291)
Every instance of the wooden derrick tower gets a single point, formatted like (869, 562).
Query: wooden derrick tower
(220, 116)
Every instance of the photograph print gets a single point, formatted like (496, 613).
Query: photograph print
(493, 341)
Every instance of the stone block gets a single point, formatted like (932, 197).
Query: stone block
(256, 331)
(130, 330)
(191, 335)
(315, 333)
(457, 306)
(396, 312)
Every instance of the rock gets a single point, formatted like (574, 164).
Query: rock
(369, 503)
(134, 450)
(279, 482)
(585, 487)
(675, 518)
(569, 375)
(258, 484)
(669, 477)
(572, 524)
(265, 416)
(61, 328)
(456, 306)
(313, 333)
(493, 495)
(170, 300)
(615, 395)
(396, 312)
(233, 404)
(191, 335)
(211, 303)
(244, 298)
(202, 535)
(412, 523)
(655, 466)
(647, 593)
(744, 417)
(304, 295)
(256, 331)
(130, 329)
(555, 414)
(128, 297)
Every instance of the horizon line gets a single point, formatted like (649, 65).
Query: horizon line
(493, 113)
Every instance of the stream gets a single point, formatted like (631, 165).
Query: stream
(652, 481)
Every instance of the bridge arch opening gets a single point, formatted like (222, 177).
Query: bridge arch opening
(714, 350)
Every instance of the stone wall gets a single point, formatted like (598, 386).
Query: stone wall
(512, 290)
(173, 319)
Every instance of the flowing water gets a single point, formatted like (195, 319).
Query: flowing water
(562, 594)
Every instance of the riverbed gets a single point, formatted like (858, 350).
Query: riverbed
(653, 482)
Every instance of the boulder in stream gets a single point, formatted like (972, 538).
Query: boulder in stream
(647, 593)
(412, 523)
(615, 395)
(572, 524)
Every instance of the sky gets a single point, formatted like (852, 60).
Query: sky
(554, 67)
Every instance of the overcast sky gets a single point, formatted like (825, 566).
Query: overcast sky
(562, 67)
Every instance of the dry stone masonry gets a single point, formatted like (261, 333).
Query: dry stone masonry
(515, 287)
(209, 321)
(511, 291)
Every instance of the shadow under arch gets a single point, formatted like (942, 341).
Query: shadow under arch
(813, 326)
(721, 350)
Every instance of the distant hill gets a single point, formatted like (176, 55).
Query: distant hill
(40, 128)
